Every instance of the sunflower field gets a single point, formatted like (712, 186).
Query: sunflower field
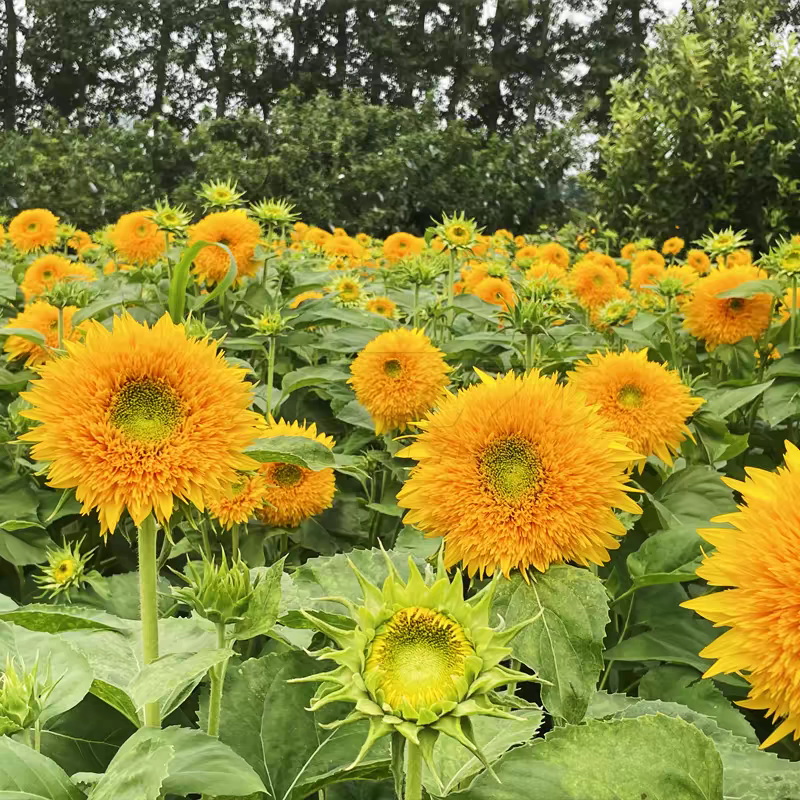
(291, 512)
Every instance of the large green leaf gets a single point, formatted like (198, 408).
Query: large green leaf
(648, 757)
(292, 450)
(669, 556)
(723, 402)
(564, 644)
(264, 719)
(28, 775)
(317, 377)
(694, 495)
(57, 619)
(781, 400)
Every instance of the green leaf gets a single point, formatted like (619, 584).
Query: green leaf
(564, 645)
(415, 543)
(669, 556)
(750, 288)
(126, 297)
(180, 280)
(292, 450)
(723, 402)
(15, 381)
(137, 776)
(647, 757)
(264, 719)
(25, 546)
(262, 612)
(696, 494)
(57, 619)
(781, 400)
(355, 414)
(8, 288)
(347, 340)
(317, 377)
(28, 775)
(28, 334)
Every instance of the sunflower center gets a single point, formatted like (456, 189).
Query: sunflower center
(630, 397)
(64, 571)
(286, 475)
(47, 274)
(147, 410)
(393, 368)
(510, 467)
(736, 304)
(418, 658)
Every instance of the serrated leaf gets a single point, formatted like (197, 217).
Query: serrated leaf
(262, 611)
(669, 556)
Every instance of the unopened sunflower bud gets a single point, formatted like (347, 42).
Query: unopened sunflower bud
(22, 696)
(218, 593)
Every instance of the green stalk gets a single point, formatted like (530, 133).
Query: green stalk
(671, 335)
(792, 318)
(270, 373)
(148, 578)
(413, 772)
(217, 675)
(37, 736)
(451, 276)
(416, 303)
(60, 327)
(235, 542)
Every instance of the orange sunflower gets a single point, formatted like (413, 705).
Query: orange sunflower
(34, 229)
(698, 261)
(137, 416)
(554, 253)
(398, 377)
(41, 317)
(293, 493)
(526, 255)
(640, 398)
(518, 472)
(592, 283)
(545, 269)
(383, 306)
(646, 275)
(80, 241)
(46, 271)
(138, 239)
(673, 246)
(401, 245)
(238, 502)
(318, 237)
(497, 291)
(649, 258)
(757, 562)
(235, 230)
(727, 320)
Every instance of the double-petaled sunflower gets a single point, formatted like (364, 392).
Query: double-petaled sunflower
(646, 275)
(592, 283)
(382, 305)
(138, 239)
(642, 399)
(240, 501)
(41, 317)
(757, 562)
(555, 254)
(518, 472)
(401, 245)
(294, 493)
(698, 261)
(47, 271)
(398, 377)
(134, 417)
(497, 291)
(33, 229)
(673, 246)
(238, 232)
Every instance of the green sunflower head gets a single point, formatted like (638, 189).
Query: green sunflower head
(65, 570)
(420, 661)
(456, 231)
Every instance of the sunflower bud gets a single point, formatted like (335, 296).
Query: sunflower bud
(274, 211)
(270, 323)
(218, 593)
(220, 194)
(457, 232)
(21, 697)
(71, 293)
(65, 570)
(172, 219)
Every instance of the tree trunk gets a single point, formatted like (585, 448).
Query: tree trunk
(162, 55)
(340, 50)
(10, 69)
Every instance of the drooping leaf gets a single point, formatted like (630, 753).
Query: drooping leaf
(28, 775)
(292, 450)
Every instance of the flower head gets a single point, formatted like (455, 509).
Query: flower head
(220, 194)
(457, 232)
(592, 283)
(239, 502)
(43, 318)
(401, 245)
(138, 239)
(275, 211)
(555, 254)
(217, 592)
(398, 377)
(65, 569)
(382, 305)
(172, 219)
(698, 261)
(237, 232)
(518, 472)
(497, 291)
(48, 271)
(673, 246)
(34, 229)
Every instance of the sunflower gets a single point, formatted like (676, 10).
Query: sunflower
(481, 246)
(136, 416)
(646, 275)
(555, 254)
(545, 269)
(497, 291)
(727, 320)
(518, 472)
(398, 377)
(303, 296)
(318, 237)
(2, 235)
(344, 247)
(698, 261)
(235, 230)
(739, 258)
(608, 261)
(401, 245)
(757, 560)
(65, 569)
(138, 239)
(299, 230)
(592, 283)
(294, 493)
(238, 502)
(647, 258)
(47, 271)
(80, 241)
(383, 306)
(526, 255)
(41, 317)
(628, 251)
(640, 398)
(34, 229)
(673, 246)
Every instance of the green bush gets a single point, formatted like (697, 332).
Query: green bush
(343, 161)
(707, 134)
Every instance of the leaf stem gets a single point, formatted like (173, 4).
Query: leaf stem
(217, 675)
(235, 542)
(148, 579)
(413, 772)
(270, 373)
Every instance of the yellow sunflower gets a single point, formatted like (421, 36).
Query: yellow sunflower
(739, 258)
(526, 255)
(46, 271)
(628, 251)
(348, 290)
(234, 229)
(318, 237)
(303, 296)
(640, 398)
(293, 493)
(80, 241)
(398, 377)
(757, 561)
(554, 253)
(497, 291)
(238, 502)
(698, 261)
(673, 246)
(137, 416)
(34, 229)
(727, 320)
(545, 269)
(41, 317)
(646, 275)
(592, 283)
(383, 306)
(401, 245)
(518, 472)
(648, 258)
(138, 239)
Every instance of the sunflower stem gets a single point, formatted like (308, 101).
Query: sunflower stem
(270, 373)
(217, 675)
(793, 314)
(37, 736)
(148, 579)
(413, 772)
(416, 304)
(235, 542)
(451, 275)
(671, 334)
(514, 664)
(60, 327)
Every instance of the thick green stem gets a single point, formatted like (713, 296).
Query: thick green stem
(217, 675)
(235, 542)
(793, 317)
(676, 359)
(37, 736)
(148, 578)
(270, 373)
(416, 304)
(413, 772)
(60, 327)
(511, 689)
(451, 277)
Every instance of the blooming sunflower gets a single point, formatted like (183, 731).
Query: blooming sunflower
(34, 229)
(554, 253)
(46, 271)
(739, 258)
(526, 255)
(136, 416)
(673, 246)
(239, 501)
(727, 320)
(698, 261)
(41, 317)
(318, 237)
(518, 472)
(420, 661)
(383, 306)
(344, 247)
(646, 274)
(401, 245)
(398, 377)
(348, 290)
(138, 239)
(758, 563)
(497, 291)
(80, 241)
(303, 296)
(592, 283)
(640, 398)
(293, 493)
(545, 269)
(238, 232)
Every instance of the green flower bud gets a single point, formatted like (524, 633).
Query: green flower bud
(21, 697)
(65, 569)
(219, 593)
